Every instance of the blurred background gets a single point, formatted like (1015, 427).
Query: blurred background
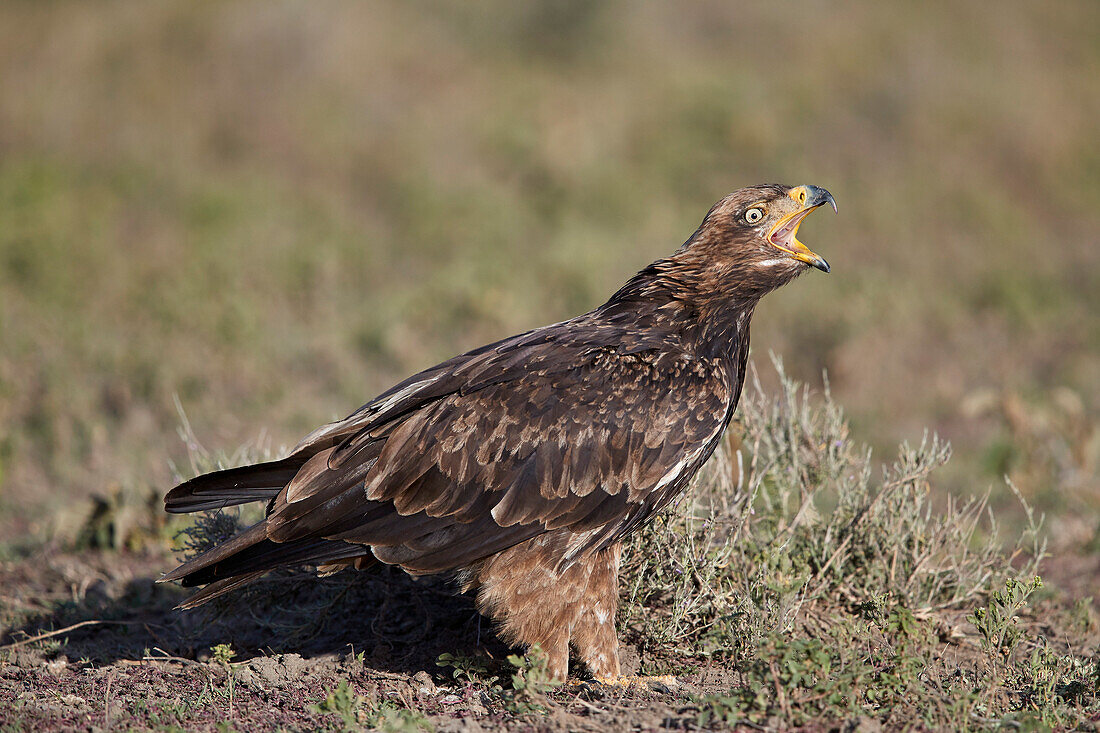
(269, 212)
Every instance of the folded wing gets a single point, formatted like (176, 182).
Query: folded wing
(527, 436)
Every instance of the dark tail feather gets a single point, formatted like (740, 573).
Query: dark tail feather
(249, 555)
(267, 555)
(219, 588)
(232, 486)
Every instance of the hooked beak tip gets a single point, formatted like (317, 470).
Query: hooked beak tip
(817, 197)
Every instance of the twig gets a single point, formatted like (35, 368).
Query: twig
(48, 634)
(170, 659)
(779, 691)
(389, 675)
(107, 702)
(864, 512)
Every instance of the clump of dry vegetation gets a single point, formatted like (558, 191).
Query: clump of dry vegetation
(837, 592)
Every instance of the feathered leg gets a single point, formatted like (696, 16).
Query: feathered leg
(593, 635)
(537, 604)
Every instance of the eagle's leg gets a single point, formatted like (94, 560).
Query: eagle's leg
(593, 634)
(537, 604)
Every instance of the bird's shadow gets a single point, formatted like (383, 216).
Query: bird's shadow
(398, 623)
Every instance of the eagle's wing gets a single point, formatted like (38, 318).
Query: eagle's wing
(594, 448)
(464, 460)
(264, 481)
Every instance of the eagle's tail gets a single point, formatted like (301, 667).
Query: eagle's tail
(250, 554)
(259, 482)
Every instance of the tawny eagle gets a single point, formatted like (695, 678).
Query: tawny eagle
(523, 464)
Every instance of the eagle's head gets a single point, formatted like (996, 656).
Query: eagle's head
(750, 236)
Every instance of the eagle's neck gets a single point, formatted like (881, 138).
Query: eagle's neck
(702, 310)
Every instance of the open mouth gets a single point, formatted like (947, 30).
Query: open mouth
(784, 236)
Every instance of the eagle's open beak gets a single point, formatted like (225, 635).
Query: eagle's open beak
(783, 235)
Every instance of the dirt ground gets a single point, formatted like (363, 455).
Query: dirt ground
(129, 660)
(138, 663)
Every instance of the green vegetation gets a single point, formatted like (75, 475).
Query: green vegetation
(530, 680)
(794, 519)
(357, 714)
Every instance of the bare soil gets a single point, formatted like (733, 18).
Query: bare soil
(139, 663)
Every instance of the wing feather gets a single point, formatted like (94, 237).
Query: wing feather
(551, 430)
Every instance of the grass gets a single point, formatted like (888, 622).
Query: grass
(790, 515)
(355, 713)
(839, 596)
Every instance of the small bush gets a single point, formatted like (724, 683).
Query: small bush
(834, 593)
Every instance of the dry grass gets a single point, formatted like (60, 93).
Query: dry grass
(793, 516)
(837, 595)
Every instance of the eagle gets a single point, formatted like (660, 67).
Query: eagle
(522, 465)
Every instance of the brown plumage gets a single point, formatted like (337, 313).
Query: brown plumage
(523, 464)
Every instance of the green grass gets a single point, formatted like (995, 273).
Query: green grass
(356, 713)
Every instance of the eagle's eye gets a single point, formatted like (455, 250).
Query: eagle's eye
(754, 215)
